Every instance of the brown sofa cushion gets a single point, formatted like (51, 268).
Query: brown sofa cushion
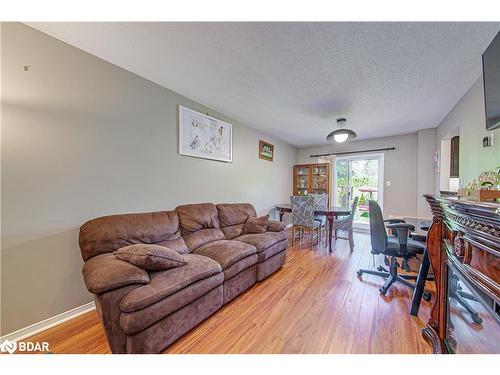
(165, 283)
(271, 251)
(234, 213)
(232, 218)
(109, 233)
(105, 272)
(233, 231)
(255, 225)
(161, 334)
(226, 252)
(240, 266)
(262, 241)
(275, 226)
(202, 237)
(150, 257)
(199, 224)
(136, 321)
(195, 217)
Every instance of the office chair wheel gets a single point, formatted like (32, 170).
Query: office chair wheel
(476, 318)
(383, 291)
(426, 296)
(406, 265)
(380, 269)
(359, 273)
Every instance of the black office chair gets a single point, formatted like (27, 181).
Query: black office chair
(394, 247)
(455, 291)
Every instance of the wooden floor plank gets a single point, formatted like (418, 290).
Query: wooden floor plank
(314, 304)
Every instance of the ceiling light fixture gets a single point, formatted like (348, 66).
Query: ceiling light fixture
(341, 134)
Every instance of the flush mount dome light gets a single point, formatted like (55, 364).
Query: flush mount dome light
(341, 134)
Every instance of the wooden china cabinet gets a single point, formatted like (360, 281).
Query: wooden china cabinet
(463, 245)
(311, 179)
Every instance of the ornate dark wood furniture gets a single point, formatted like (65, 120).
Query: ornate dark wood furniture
(464, 251)
(331, 214)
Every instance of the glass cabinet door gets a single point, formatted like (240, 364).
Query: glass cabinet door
(302, 181)
(320, 179)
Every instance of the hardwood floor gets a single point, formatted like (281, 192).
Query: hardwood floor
(314, 304)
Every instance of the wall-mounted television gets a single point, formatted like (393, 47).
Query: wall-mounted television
(491, 80)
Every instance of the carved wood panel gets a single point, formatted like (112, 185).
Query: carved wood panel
(467, 236)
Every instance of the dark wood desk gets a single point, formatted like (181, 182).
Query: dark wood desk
(421, 226)
(331, 214)
(419, 234)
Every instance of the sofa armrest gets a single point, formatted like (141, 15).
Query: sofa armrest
(275, 226)
(105, 272)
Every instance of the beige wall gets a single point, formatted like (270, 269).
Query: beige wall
(468, 119)
(83, 138)
(400, 168)
(426, 146)
(0, 185)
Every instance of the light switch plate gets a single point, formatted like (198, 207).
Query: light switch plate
(489, 139)
(388, 183)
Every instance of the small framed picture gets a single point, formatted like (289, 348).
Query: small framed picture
(266, 151)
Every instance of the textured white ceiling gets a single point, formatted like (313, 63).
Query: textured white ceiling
(292, 80)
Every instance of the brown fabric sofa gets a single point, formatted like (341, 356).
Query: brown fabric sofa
(143, 311)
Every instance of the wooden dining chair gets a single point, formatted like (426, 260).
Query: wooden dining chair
(303, 218)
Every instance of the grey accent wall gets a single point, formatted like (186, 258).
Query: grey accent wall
(400, 168)
(467, 119)
(83, 138)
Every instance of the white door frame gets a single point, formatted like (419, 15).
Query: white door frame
(380, 182)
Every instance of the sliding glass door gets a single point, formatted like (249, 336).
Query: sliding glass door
(358, 176)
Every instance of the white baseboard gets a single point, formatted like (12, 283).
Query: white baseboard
(33, 329)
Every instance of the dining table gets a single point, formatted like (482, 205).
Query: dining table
(331, 214)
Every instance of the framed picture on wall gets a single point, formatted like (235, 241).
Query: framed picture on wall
(202, 136)
(266, 151)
